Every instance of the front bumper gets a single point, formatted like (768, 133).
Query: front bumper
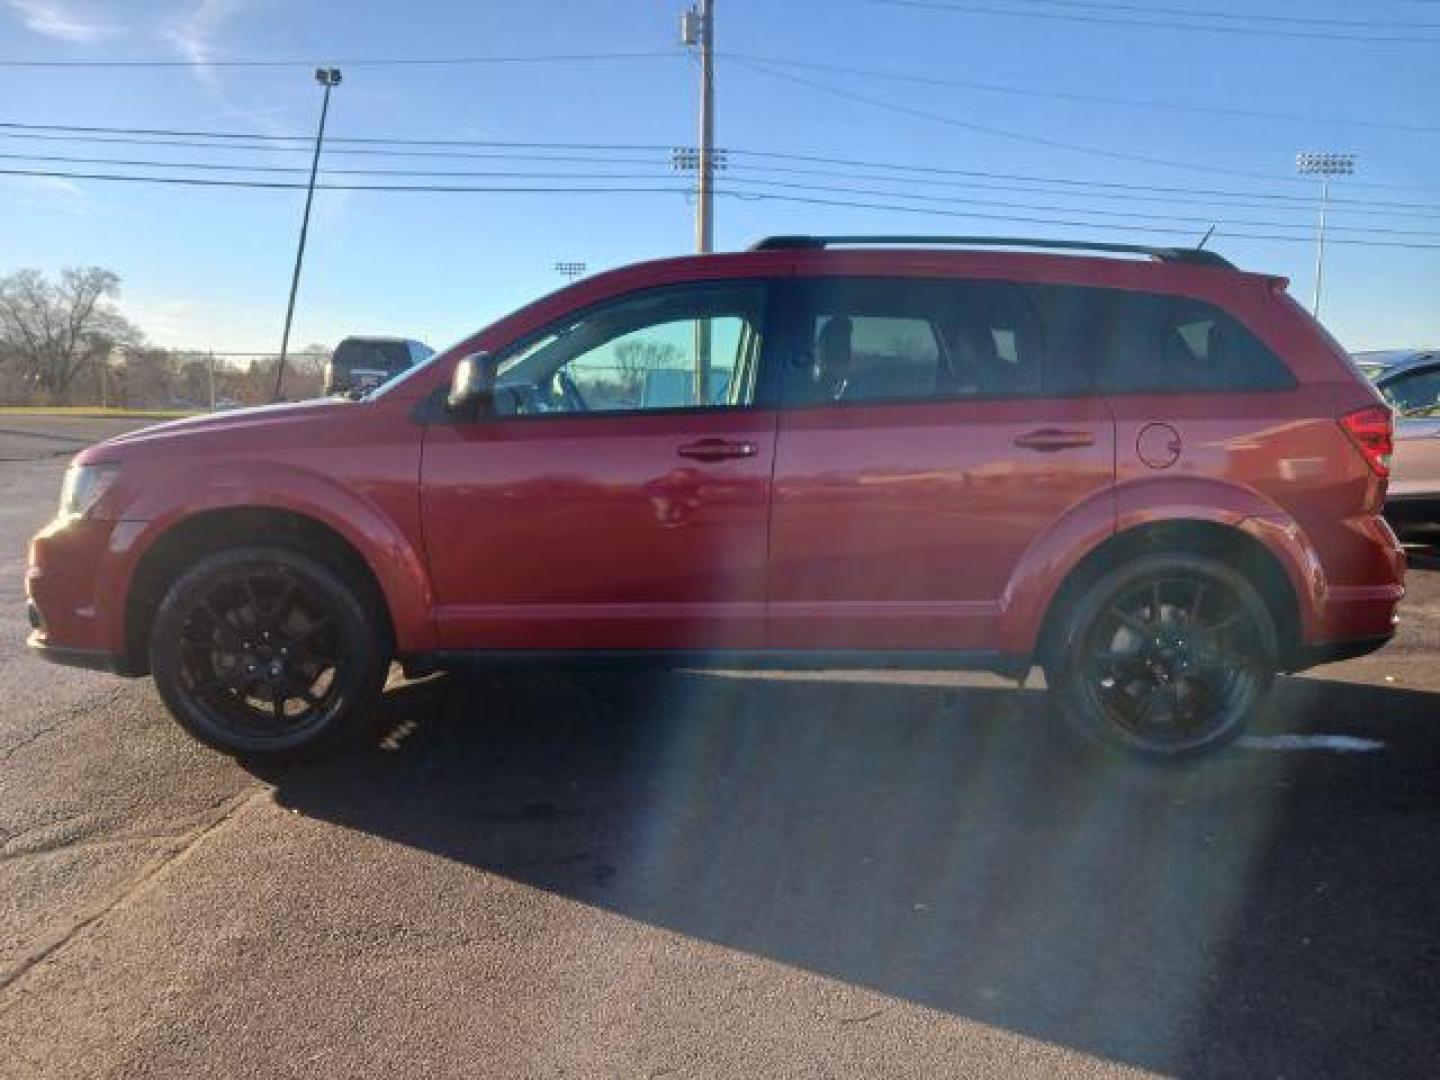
(74, 597)
(90, 659)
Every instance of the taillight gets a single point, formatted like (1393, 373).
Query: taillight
(1372, 430)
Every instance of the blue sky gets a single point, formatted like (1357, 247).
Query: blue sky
(210, 267)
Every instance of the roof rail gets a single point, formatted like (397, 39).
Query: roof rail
(1194, 256)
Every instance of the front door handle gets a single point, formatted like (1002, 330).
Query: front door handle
(1049, 440)
(717, 450)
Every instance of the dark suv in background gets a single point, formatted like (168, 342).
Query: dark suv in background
(1158, 478)
(360, 364)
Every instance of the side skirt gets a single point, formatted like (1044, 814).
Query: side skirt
(1009, 666)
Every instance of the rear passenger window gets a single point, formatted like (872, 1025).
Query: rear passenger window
(1147, 343)
(894, 339)
(890, 356)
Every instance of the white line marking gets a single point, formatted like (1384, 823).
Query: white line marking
(1345, 744)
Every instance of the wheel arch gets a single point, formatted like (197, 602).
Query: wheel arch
(1236, 543)
(176, 545)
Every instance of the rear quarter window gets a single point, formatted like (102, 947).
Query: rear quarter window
(1150, 343)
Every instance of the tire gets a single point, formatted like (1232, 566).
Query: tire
(1165, 657)
(266, 652)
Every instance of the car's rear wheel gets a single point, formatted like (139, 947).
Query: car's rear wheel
(266, 651)
(1165, 656)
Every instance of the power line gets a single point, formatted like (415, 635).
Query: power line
(195, 181)
(100, 134)
(91, 129)
(1091, 18)
(941, 170)
(684, 190)
(1127, 193)
(1131, 215)
(1056, 144)
(193, 144)
(206, 166)
(390, 61)
(1245, 16)
(757, 175)
(1099, 99)
(743, 174)
(588, 153)
(1225, 233)
(1002, 133)
(890, 171)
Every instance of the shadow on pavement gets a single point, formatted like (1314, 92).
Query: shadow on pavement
(1264, 913)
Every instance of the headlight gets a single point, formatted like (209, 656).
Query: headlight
(84, 487)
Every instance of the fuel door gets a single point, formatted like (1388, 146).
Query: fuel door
(1158, 445)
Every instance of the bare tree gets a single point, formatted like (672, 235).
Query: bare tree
(52, 331)
(635, 357)
(310, 361)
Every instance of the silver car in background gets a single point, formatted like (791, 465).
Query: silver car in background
(1409, 379)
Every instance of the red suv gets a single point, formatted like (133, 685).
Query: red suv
(1160, 480)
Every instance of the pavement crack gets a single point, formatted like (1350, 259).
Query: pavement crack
(66, 712)
(865, 1018)
(34, 736)
(155, 869)
(14, 846)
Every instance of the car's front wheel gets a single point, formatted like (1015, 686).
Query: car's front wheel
(1165, 656)
(266, 651)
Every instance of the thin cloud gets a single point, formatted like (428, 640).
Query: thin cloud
(194, 34)
(51, 193)
(61, 19)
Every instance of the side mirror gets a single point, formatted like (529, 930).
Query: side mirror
(472, 388)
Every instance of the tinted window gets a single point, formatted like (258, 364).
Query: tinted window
(876, 340)
(389, 356)
(1142, 342)
(679, 348)
(1416, 393)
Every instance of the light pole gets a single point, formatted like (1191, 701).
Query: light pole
(570, 270)
(329, 78)
(1324, 166)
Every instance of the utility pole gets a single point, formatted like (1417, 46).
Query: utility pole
(211, 367)
(697, 28)
(329, 78)
(705, 203)
(1324, 166)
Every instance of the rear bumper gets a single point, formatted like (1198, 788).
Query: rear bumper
(1330, 652)
(1358, 587)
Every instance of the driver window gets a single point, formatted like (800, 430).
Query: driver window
(677, 348)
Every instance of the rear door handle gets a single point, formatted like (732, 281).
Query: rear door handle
(717, 450)
(1048, 440)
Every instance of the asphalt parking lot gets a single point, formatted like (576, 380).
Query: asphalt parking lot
(713, 875)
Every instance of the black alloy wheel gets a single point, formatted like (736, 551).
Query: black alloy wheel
(265, 651)
(1167, 656)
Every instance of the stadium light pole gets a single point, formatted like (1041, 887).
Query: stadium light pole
(570, 270)
(329, 78)
(1325, 166)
